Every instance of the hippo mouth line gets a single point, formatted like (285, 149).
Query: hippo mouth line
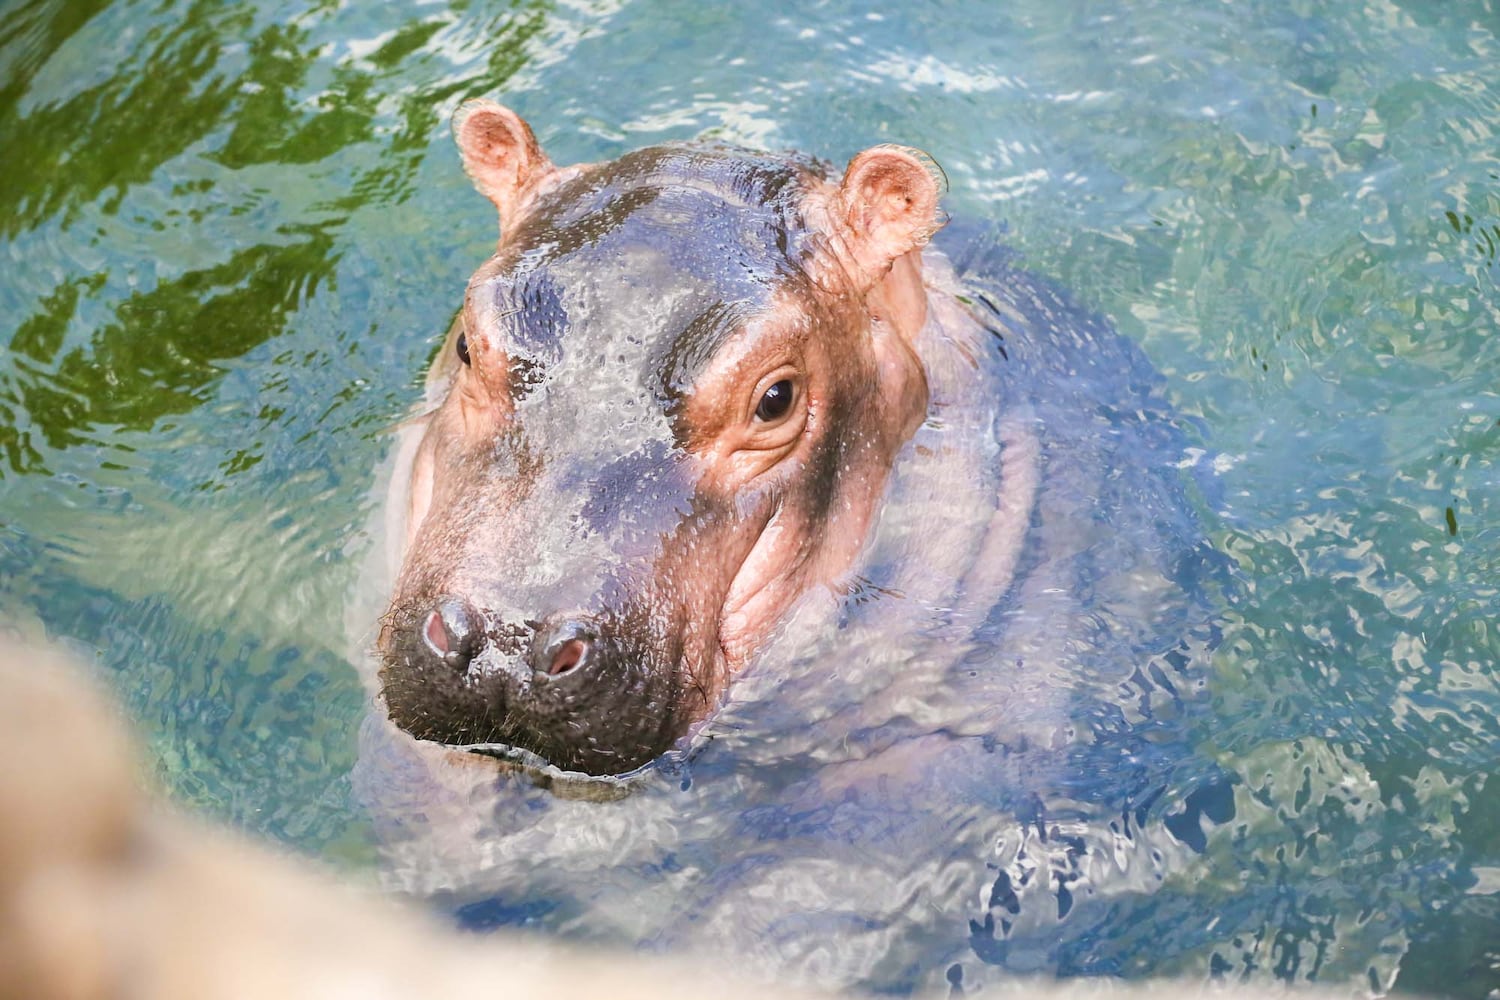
(559, 780)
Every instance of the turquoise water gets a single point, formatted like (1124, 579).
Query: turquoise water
(232, 234)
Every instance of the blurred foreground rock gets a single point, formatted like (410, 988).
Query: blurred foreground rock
(105, 893)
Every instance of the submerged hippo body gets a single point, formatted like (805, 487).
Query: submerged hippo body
(885, 545)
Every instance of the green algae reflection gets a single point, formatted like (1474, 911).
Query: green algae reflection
(178, 177)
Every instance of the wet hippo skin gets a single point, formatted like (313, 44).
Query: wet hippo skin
(668, 413)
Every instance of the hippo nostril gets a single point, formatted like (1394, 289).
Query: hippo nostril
(435, 634)
(452, 633)
(569, 655)
(568, 649)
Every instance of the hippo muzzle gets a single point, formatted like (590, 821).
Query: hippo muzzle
(667, 411)
(582, 693)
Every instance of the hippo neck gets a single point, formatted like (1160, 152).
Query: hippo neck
(962, 490)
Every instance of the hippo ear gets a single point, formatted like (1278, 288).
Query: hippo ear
(889, 199)
(500, 155)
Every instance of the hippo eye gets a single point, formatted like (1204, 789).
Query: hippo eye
(776, 402)
(463, 348)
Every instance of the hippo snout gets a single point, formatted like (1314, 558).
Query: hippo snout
(570, 688)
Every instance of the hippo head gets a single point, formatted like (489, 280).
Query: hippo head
(672, 401)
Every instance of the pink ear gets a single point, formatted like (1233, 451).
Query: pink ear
(500, 155)
(889, 198)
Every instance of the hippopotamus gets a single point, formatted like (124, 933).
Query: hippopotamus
(776, 567)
